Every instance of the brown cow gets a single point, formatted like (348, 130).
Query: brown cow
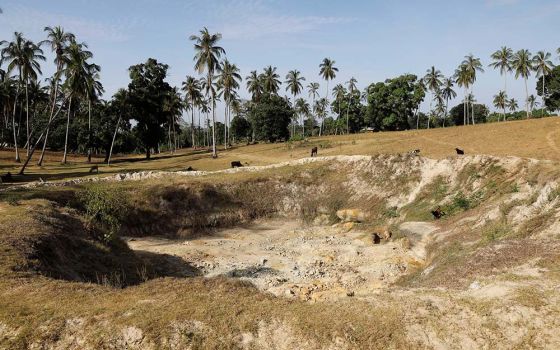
(314, 152)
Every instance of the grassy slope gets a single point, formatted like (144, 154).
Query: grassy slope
(537, 138)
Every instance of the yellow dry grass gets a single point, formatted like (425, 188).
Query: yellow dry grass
(534, 138)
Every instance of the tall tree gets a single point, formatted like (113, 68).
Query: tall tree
(58, 40)
(473, 65)
(228, 81)
(254, 85)
(94, 89)
(313, 89)
(447, 93)
(502, 60)
(328, 72)
(543, 66)
(303, 109)
(462, 78)
(23, 55)
(512, 105)
(501, 102)
(351, 88)
(207, 59)
(191, 87)
(433, 81)
(523, 65)
(270, 80)
(294, 85)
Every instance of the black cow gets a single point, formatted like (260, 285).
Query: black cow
(94, 168)
(314, 152)
(438, 213)
(459, 151)
(236, 164)
(190, 169)
(6, 178)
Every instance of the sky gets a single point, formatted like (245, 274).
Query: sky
(370, 40)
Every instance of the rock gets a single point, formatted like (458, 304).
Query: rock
(263, 261)
(382, 232)
(475, 285)
(351, 215)
(321, 220)
(347, 226)
(350, 293)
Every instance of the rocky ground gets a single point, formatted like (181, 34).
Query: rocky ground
(296, 261)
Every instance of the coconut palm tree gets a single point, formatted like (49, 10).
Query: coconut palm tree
(462, 78)
(94, 89)
(512, 105)
(473, 66)
(228, 81)
(270, 80)
(523, 65)
(207, 58)
(328, 72)
(191, 87)
(294, 85)
(351, 88)
(339, 91)
(447, 93)
(501, 102)
(532, 101)
(58, 40)
(432, 79)
(303, 109)
(543, 66)
(76, 72)
(313, 89)
(23, 55)
(502, 61)
(254, 85)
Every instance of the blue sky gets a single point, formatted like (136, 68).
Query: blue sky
(371, 40)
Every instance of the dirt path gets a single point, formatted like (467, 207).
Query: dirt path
(312, 263)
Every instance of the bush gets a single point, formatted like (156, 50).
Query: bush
(105, 207)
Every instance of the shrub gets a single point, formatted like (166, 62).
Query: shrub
(105, 207)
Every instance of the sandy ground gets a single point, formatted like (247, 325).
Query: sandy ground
(288, 259)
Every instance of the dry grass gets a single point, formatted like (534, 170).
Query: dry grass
(537, 138)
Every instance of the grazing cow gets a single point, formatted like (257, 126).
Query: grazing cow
(415, 152)
(190, 169)
(236, 164)
(438, 213)
(94, 168)
(6, 178)
(314, 152)
(459, 151)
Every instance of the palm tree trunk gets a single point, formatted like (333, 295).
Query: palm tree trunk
(113, 141)
(225, 126)
(446, 107)
(526, 98)
(27, 114)
(214, 153)
(40, 162)
(89, 130)
(542, 99)
(472, 106)
(67, 128)
(192, 124)
(347, 113)
(14, 125)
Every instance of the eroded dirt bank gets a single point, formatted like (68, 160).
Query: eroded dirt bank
(282, 270)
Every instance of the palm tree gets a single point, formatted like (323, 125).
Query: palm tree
(254, 85)
(58, 40)
(313, 89)
(207, 58)
(473, 65)
(501, 101)
(338, 94)
(303, 108)
(24, 55)
(351, 88)
(294, 85)
(76, 84)
(532, 101)
(432, 80)
(94, 89)
(327, 72)
(502, 61)
(270, 80)
(543, 66)
(447, 93)
(191, 87)
(512, 105)
(523, 65)
(228, 81)
(462, 78)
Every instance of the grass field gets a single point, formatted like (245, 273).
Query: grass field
(535, 138)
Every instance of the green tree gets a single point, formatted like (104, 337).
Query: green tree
(473, 65)
(147, 95)
(271, 118)
(313, 90)
(392, 103)
(294, 86)
(351, 88)
(501, 101)
(462, 78)
(433, 81)
(207, 59)
(328, 72)
(254, 85)
(502, 60)
(240, 128)
(303, 109)
(270, 80)
(551, 90)
(543, 66)
(523, 65)
(228, 81)
(191, 87)
(512, 105)
(447, 93)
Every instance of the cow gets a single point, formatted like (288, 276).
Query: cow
(190, 169)
(94, 168)
(415, 152)
(236, 164)
(459, 151)
(314, 152)
(438, 213)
